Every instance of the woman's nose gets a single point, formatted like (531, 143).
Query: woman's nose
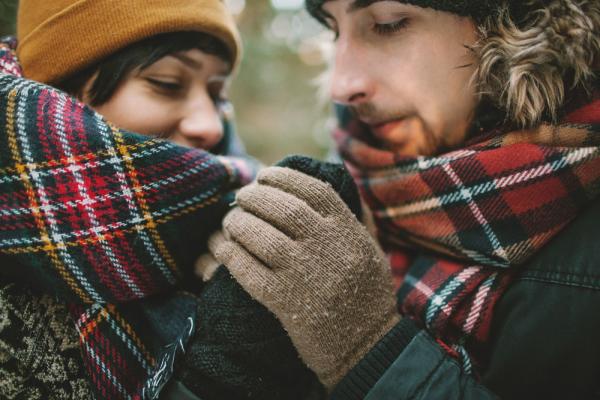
(200, 126)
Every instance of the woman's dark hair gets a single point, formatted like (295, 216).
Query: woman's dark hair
(112, 70)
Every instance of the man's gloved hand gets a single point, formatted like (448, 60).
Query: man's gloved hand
(295, 246)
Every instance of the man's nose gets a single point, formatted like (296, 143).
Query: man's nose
(351, 83)
(200, 126)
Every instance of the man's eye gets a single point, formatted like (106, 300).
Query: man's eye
(165, 85)
(331, 26)
(392, 27)
(219, 99)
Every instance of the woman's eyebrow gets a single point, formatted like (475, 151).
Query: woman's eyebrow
(197, 64)
(190, 62)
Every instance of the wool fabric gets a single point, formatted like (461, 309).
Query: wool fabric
(297, 248)
(240, 350)
(60, 37)
(108, 221)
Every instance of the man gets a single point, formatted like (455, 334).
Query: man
(472, 131)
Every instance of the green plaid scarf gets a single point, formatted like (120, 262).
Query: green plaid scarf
(106, 220)
(457, 226)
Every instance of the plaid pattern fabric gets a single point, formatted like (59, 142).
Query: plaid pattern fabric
(101, 217)
(457, 226)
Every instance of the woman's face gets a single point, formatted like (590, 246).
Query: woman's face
(178, 97)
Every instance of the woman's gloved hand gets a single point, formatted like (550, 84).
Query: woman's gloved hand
(240, 350)
(295, 246)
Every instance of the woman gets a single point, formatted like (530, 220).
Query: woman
(100, 217)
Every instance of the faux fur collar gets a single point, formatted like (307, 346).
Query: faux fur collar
(531, 66)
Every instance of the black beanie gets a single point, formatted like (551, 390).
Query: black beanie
(479, 10)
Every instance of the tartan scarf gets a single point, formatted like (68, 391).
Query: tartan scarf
(108, 221)
(458, 226)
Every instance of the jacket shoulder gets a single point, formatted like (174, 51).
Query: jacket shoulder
(545, 330)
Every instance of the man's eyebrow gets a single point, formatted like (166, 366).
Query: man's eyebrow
(354, 6)
(360, 4)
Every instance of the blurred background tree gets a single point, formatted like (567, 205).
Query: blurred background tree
(8, 12)
(274, 93)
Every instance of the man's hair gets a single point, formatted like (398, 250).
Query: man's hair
(113, 69)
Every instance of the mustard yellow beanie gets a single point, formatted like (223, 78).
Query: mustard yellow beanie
(57, 38)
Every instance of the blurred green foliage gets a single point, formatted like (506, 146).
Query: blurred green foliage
(274, 93)
(276, 102)
(8, 12)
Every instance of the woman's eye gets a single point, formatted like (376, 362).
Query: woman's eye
(392, 27)
(165, 85)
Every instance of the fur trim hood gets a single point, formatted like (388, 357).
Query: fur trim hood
(530, 67)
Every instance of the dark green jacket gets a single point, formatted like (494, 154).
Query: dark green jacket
(544, 342)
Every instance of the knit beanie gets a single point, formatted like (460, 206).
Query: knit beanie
(476, 9)
(60, 37)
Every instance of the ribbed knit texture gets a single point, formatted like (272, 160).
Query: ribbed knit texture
(334, 174)
(241, 351)
(60, 37)
(297, 248)
(361, 379)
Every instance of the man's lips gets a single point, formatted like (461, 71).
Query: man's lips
(387, 127)
(391, 133)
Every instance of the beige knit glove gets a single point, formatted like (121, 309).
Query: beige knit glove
(296, 247)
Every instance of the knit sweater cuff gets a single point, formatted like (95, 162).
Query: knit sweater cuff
(361, 379)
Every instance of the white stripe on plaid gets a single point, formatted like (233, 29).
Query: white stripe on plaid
(87, 201)
(115, 326)
(479, 301)
(438, 301)
(38, 187)
(572, 158)
(108, 140)
(391, 173)
(19, 211)
(106, 371)
(117, 226)
(494, 241)
(465, 359)
(85, 165)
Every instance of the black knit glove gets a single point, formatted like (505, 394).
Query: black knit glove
(240, 350)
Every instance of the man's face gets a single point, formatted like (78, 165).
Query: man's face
(405, 71)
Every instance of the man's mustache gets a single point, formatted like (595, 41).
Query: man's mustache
(371, 115)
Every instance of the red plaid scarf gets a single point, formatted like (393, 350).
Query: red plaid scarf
(457, 225)
(105, 219)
